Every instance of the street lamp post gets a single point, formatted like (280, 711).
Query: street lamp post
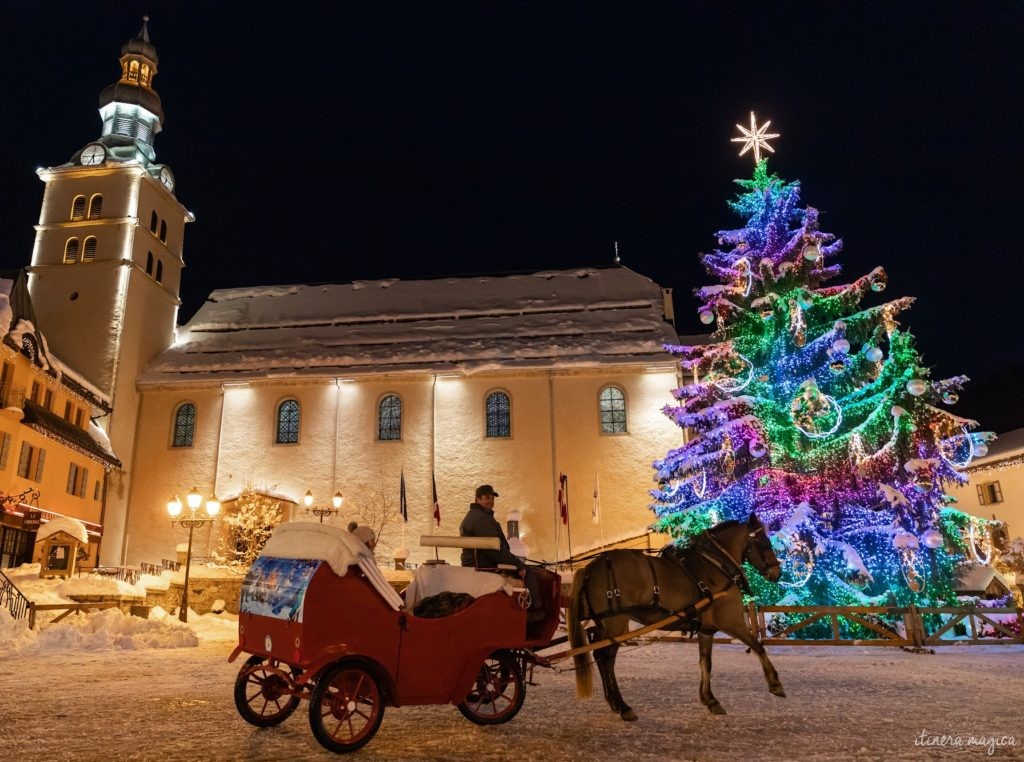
(322, 510)
(194, 499)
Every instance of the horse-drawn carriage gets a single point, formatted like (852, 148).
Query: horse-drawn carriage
(321, 623)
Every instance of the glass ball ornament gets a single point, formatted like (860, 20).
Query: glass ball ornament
(950, 398)
(897, 411)
(757, 449)
(980, 449)
(842, 346)
(916, 387)
(707, 317)
(904, 540)
(932, 538)
(812, 252)
(874, 354)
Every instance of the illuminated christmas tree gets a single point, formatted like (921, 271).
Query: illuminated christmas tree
(817, 413)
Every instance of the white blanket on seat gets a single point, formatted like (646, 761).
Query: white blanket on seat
(339, 548)
(431, 579)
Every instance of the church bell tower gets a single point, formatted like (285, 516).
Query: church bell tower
(106, 265)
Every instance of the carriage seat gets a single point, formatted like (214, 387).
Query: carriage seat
(431, 579)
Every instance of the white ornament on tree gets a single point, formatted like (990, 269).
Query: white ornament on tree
(932, 538)
(917, 387)
(874, 354)
(842, 346)
(707, 317)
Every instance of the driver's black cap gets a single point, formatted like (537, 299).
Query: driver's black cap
(485, 489)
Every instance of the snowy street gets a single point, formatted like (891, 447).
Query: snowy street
(862, 703)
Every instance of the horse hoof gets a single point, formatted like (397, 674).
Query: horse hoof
(778, 692)
(716, 709)
(629, 715)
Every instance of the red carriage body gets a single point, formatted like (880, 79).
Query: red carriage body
(352, 647)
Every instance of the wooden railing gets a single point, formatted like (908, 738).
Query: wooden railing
(12, 599)
(878, 625)
(129, 574)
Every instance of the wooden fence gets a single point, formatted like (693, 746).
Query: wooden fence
(914, 626)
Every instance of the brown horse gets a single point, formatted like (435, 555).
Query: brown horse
(704, 582)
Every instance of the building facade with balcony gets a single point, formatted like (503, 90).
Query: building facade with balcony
(53, 459)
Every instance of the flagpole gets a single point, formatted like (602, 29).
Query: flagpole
(568, 524)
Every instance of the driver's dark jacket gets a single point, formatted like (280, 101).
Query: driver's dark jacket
(479, 522)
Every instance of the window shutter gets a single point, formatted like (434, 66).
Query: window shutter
(5, 449)
(39, 465)
(981, 495)
(85, 481)
(24, 459)
(72, 478)
(997, 493)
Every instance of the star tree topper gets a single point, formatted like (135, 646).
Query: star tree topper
(755, 138)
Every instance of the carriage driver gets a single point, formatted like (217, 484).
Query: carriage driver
(480, 522)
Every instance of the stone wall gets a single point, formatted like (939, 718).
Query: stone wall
(202, 592)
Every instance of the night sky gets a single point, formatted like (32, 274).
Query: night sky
(320, 143)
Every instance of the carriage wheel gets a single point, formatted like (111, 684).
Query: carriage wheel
(264, 692)
(347, 707)
(499, 691)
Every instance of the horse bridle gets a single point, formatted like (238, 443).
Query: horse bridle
(757, 538)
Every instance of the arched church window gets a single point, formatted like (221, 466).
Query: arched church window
(152, 222)
(184, 425)
(95, 206)
(145, 75)
(389, 419)
(71, 251)
(89, 250)
(133, 71)
(612, 404)
(288, 422)
(159, 271)
(78, 208)
(499, 415)
(163, 230)
(149, 263)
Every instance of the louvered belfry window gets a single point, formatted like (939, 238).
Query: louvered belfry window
(499, 415)
(71, 251)
(288, 422)
(389, 419)
(96, 206)
(89, 251)
(78, 208)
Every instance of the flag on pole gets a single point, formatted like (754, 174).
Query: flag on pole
(403, 506)
(595, 511)
(563, 498)
(437, 505)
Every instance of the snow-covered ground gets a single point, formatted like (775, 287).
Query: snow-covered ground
(106, 686)
(87, 703)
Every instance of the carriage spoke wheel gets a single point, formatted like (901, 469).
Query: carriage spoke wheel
(265, 692)
(346, 708)
(499, 691)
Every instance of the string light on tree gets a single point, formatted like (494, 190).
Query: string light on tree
(792, 423)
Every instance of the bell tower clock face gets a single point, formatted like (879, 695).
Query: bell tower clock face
(93, 154)
(167, 178)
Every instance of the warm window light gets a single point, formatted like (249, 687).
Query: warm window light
(194, 499)
(337, 499)
(213, 506)
(308, 499)
(174, 506)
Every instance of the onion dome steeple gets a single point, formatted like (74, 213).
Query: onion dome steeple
(130, 108)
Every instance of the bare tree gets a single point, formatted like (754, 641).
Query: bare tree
(250, 522)
(375, 506)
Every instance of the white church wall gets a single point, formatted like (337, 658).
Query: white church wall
(227, 456)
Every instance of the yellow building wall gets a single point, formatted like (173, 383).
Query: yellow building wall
(555, 428)
(52, 487)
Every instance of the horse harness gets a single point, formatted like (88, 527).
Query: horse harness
(708, 548)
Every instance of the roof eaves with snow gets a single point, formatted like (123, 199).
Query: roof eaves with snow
(552, 319)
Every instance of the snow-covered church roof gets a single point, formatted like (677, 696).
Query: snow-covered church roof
(557, 318)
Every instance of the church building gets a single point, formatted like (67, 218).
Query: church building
(549, 386)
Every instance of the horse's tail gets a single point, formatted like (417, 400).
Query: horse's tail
(578, 634)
